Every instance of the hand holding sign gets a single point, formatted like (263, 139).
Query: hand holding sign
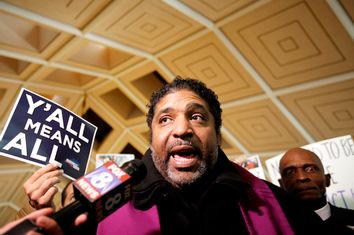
(40, 187)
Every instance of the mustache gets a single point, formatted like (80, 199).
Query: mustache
(190, 143)
(181, 142)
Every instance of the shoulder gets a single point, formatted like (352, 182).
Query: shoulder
(302, 219)
(342, 214)
(341, 210)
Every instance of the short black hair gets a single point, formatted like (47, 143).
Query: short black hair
(194, 85)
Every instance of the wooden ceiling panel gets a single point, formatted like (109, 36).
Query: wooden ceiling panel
(15, 68)
(291, 42)
(145, 24)
(326, 111)
(75, 12)
(65, 78)
(144, 79)
(8, 95)
(32, 38)
(142, 131)
(217, 10)
(94, 56)
(229, 148)
(104, 145)
(19, 197)
(107, 145)
(208, 60)
(114, 100)
(260, 126)
(10, 178)
(7, 214)
(348, 5)
(125, 139)
(93, 103)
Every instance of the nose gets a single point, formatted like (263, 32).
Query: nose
(182, 128)
(302, 176)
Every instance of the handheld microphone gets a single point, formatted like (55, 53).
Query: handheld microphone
(100, 193)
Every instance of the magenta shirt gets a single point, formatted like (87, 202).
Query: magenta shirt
(263, 215)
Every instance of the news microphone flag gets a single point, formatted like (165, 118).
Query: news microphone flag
(102, 191)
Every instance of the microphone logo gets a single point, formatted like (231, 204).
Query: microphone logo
(101, 181)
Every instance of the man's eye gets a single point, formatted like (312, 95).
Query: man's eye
(310, 169)
(164, 120)
(289, 172)
(198, 117)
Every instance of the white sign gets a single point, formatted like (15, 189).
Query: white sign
(253, 165)
(337, 156)
(119, 159)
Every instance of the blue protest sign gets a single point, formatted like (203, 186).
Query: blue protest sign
(40, 131)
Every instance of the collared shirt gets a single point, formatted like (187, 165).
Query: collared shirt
(324, 212)
(336, 220)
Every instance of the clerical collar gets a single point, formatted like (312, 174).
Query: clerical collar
(324, 212)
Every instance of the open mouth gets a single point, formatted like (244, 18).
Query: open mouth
(183, 156)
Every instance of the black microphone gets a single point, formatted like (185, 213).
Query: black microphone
(100, 193)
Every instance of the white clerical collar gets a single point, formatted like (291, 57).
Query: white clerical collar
(324, 212)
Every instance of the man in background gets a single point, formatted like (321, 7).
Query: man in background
(302, 174)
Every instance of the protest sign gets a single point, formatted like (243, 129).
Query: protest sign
(118, 158)
(39, 132)
(337, 156)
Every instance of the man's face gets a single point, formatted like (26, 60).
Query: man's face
(302, 175)
(184, 141)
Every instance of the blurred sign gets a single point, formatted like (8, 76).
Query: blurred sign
(253, 165)
(119, 159)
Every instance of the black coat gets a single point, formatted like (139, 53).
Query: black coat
(339, 221)
(210, 206)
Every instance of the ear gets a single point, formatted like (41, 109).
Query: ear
(328, 179)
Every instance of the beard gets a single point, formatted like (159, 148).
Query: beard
(184, 176)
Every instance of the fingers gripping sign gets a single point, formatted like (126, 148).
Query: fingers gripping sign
(41, 186)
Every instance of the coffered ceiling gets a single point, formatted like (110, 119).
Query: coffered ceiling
(283, 70)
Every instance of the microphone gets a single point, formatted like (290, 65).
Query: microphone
(100, 193)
